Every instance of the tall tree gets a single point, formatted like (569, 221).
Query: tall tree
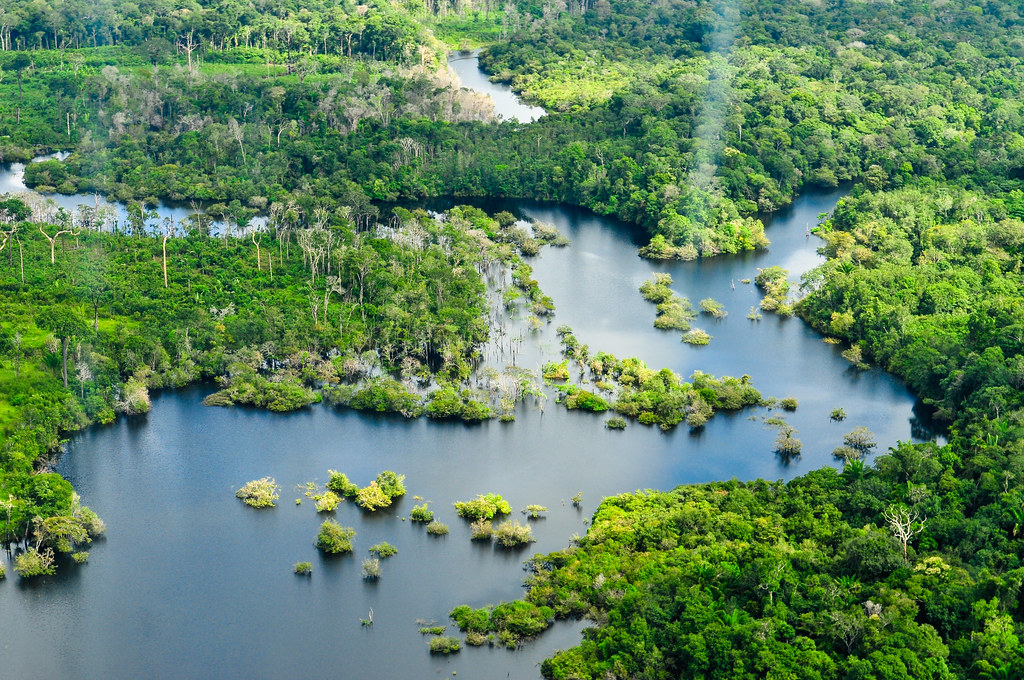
(65, 323)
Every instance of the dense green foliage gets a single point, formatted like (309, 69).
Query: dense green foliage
(334, 538)
(685, 117)
(383, 550)
(511, 622)
(484, 506)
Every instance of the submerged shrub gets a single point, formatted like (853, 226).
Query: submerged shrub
(483, 507)
(860, 438)
(391, 484)
(327, 501)
(788, 404)
(786, 445)
(616, 423)
(534, 511)
(444, 645)
(259, 493)
(579, 398)
(481, 530)
(433, 630)
(436, 528)
(556, 371)
(32, 563)
(339, 483)
(420, 513)
(371, 569)
(475, 639)
(838, 415)
(80, 557)
(303, 568)
(696, 336)
(372, 497)
(656, 289)
(334, 538)
(383, 550)
(511, 534)
(713, 307)
(512, 621)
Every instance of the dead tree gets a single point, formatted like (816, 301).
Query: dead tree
(53, 241)
(168, 233)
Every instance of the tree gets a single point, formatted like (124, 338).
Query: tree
(904, 522)
(65, 323)
(18, 65)
(53, 241)
(168, 233)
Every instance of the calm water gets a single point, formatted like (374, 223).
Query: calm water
(192, 584)
(506, 104)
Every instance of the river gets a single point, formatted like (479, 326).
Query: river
(506, 104)
(189, 583)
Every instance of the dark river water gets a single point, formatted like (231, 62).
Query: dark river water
(190, 583)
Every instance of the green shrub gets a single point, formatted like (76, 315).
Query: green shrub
(433, 630)
(303, 568)
(444, 645)
(436, 528)
(521, 618)
(483, 507)
(80, 557)
(786, 444)
(696, 336)
(383, 550)
(713, 307)
(334, 539)
(838, 415)
(556, 371)
(616, 423)
(32, 563)
(481, 530)
(471, 620)
(512, 534)
(512, 621)
(372, 497)
(391, 484)
(383, 395)
(327, 501)
(420, 513)
(578, 398)
(259, 493)
(657, 289)
(534, 511)
(475, 639)
(788, 404)
(339, 483)
(860, 438)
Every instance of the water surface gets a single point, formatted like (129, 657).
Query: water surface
(506, 104)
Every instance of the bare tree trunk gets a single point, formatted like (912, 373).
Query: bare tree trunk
(165, 259)
(64, 360)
